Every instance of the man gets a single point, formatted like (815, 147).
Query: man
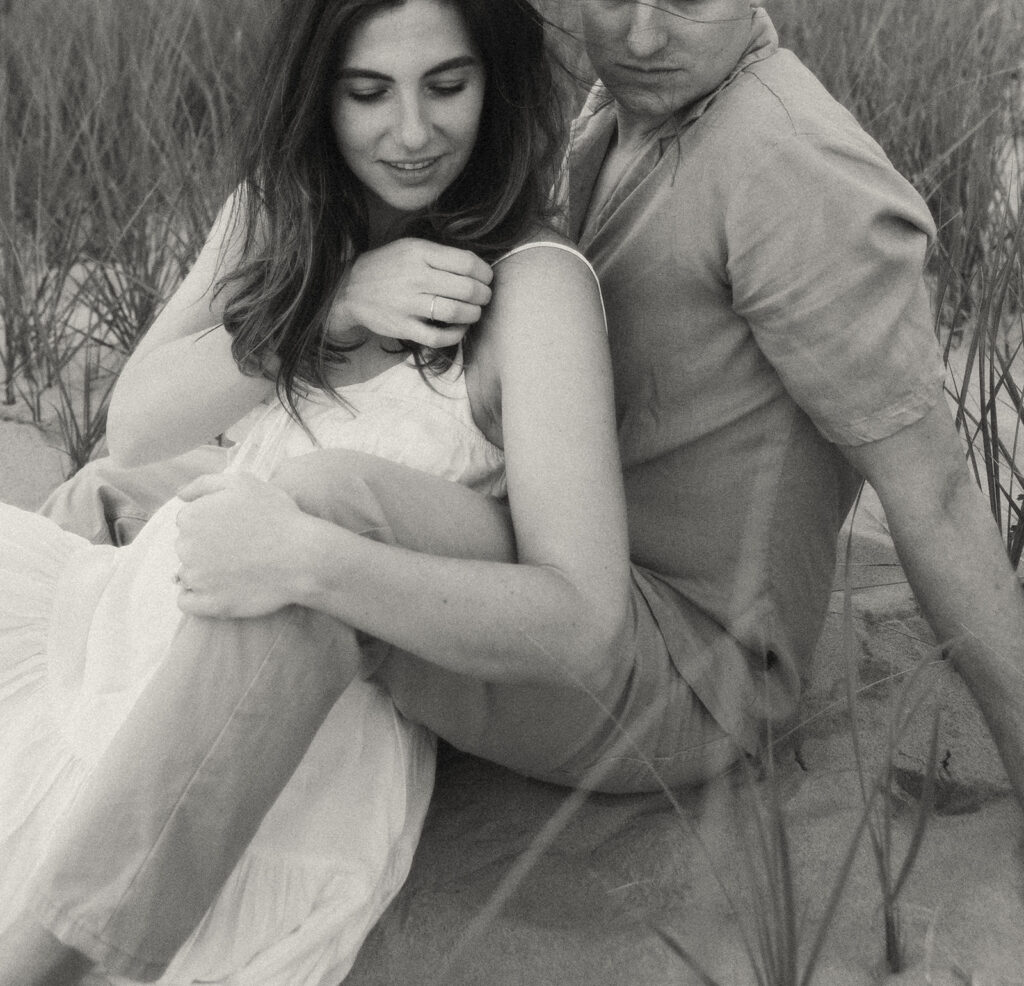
(761, 263)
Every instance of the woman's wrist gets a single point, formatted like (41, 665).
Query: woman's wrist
(319, 552)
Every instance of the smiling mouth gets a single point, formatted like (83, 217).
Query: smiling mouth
(412, 167)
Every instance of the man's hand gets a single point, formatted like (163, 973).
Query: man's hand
(412, 289)
(239, 546)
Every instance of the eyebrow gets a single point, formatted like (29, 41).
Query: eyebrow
(462, 61)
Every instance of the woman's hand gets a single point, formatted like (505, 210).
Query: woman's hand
(412, 289)
(239, 544)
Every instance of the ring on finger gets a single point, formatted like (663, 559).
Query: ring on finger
(433, 305)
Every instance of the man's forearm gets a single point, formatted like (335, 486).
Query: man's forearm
(952, 554)
(974, 603)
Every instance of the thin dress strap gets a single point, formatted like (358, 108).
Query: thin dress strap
(567, 249)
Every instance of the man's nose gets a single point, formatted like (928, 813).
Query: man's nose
(648, 29)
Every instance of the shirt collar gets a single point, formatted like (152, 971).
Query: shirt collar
(764, 41)
(592, 129)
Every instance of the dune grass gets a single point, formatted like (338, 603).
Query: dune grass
(112, 118)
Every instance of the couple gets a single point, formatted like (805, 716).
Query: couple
(770, 341)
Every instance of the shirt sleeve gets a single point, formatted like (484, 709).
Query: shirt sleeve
(826, 245)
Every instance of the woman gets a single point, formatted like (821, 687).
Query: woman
(378, 120)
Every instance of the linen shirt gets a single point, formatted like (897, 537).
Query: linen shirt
(761, 263)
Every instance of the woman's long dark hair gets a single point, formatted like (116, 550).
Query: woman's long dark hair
(304, 213)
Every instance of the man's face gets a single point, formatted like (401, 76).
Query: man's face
(659, 56)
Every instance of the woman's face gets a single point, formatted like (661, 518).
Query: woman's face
(406, 104)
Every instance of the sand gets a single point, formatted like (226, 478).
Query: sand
(519, 883)
(588, 911)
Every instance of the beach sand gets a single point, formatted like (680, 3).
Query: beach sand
(519, 883)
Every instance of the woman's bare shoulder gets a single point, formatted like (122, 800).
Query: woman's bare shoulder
(544, 279)
(541, 236)
(546, 255)
(545, 233)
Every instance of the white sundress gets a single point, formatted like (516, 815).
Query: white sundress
(324, 863)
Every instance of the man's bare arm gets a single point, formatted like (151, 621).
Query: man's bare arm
(952, 555)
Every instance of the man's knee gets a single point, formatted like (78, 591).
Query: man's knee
(339, 486)
(397, 504)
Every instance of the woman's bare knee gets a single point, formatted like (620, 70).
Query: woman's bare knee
(331, 484)
(398, 504)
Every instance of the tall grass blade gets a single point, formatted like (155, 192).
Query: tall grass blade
(681, 952)
(924, 811)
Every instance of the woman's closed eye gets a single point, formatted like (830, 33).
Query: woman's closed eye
(440, 89)
(447, 87)
(366, 95)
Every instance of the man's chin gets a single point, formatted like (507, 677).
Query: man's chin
(643, 101)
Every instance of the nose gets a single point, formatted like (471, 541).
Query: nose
(413, 125)
(648, 29)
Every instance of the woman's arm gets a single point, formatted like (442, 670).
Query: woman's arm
(181, 387)
(558, 614)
